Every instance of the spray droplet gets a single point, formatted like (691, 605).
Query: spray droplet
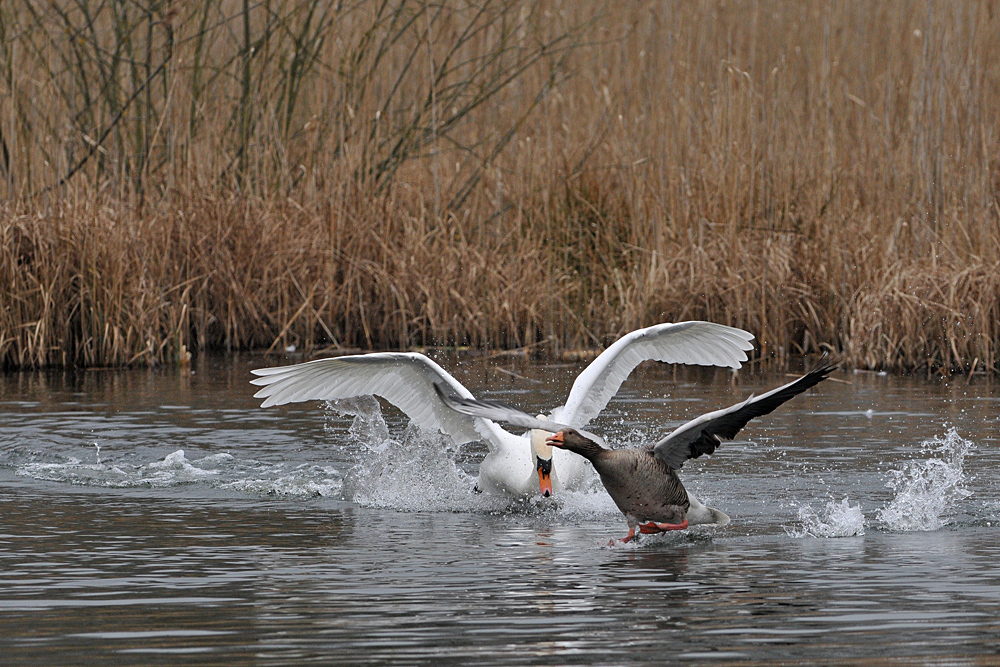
(927, 490)
(838, 520)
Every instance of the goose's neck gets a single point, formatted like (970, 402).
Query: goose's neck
(585, 447)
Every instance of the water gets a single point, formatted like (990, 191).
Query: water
(162, 517)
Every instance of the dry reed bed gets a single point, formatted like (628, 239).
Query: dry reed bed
(93, 287)
(499, 174)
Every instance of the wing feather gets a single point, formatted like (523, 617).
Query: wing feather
(704, 434)
(405, 379)
(702, 343)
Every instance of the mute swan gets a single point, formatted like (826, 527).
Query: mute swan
(516, 465)
(643, 481)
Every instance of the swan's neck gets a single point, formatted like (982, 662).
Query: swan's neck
(539, 448)
(541, 459)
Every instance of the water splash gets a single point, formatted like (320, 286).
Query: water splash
(837, 520)
(928, 490)
(417, 472)
(368, 429)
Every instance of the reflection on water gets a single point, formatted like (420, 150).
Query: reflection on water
(160, 516)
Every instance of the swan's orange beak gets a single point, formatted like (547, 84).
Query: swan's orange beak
(544, 475)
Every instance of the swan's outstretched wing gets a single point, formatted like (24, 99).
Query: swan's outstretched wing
(405, 379)
(703, 434)
(702, 343)
(503, 413)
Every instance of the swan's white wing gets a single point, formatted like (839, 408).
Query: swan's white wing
(703, 434)
(504, 413)
(405, 379)
(702, 343)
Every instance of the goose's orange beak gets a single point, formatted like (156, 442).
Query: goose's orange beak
(555, 440)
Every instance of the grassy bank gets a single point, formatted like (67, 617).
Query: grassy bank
(184, 176)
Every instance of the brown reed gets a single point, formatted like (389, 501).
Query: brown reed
(188, 176)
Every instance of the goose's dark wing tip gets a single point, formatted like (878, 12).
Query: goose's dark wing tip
(439, 390)
(704, 434)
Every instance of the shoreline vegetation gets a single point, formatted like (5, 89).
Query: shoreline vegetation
(252, 174)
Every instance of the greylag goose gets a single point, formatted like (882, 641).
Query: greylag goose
(516, 465)
(643, 481)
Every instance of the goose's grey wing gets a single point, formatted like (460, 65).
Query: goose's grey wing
(405, 379)
(702, 343)
(703, 434)
(494, 411)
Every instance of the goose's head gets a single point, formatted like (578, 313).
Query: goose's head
(575, 441)
(541, 454)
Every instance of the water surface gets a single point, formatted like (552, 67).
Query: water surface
(162, 517)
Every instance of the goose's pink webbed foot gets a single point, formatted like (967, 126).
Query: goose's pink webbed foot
(650, 528)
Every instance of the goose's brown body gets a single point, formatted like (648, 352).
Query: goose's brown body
(643, 487)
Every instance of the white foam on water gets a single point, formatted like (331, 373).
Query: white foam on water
(177, 465)
(71, 470)
(837, 519)
(174, 469)
(303, 480)
(928, 490)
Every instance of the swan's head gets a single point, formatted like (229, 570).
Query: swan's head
(541, 454)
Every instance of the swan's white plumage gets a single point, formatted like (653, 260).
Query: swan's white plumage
(406, 380)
